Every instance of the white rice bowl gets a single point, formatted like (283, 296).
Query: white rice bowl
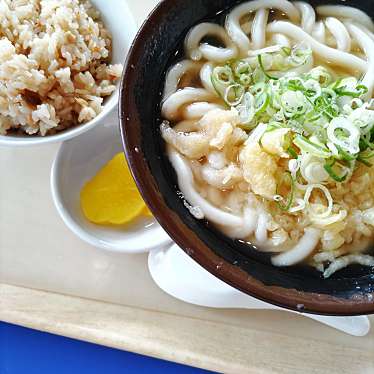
(58, 67)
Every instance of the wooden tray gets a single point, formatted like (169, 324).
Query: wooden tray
(51, 281)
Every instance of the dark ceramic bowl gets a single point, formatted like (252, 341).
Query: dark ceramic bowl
(348, 292)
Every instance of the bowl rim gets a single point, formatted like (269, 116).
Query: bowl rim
(64, 135)
(292, 299)
(162, 239)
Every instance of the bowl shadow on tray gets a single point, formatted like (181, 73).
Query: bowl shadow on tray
(347, 292)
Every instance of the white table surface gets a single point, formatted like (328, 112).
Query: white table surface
(37, 251)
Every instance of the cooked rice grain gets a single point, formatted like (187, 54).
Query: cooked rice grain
(54, 70)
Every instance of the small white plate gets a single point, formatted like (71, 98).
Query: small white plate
(77, 161)
(119, 20)
(183, 278)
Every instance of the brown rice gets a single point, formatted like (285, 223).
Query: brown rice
(54, 70)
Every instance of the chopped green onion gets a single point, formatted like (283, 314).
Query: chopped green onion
(234, 94)
(345, 134)
(337, 178)
(293, 103)
(307, 146)
(295, 84)
(363, 161)
(366, 142)
(245, 79)
(258, 88)
(366, 155)
(321, 75)
(344, 91)
(273, 126)
(261, 102)
(349, 87)
(292, 152)
(286, 207)
(222, 78)
(344, 155)
(300, 56)
(363, 144)
(276, 101)
(263, 69)
(258, 76)
(286, 51)
(328, 120)
(241, 67)
(246, 111)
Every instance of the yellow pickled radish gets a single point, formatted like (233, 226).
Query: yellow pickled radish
(111, 197)
(146, 212)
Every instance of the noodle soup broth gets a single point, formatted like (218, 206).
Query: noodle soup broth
(268, 122)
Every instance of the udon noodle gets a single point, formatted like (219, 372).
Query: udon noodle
(269, 125)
